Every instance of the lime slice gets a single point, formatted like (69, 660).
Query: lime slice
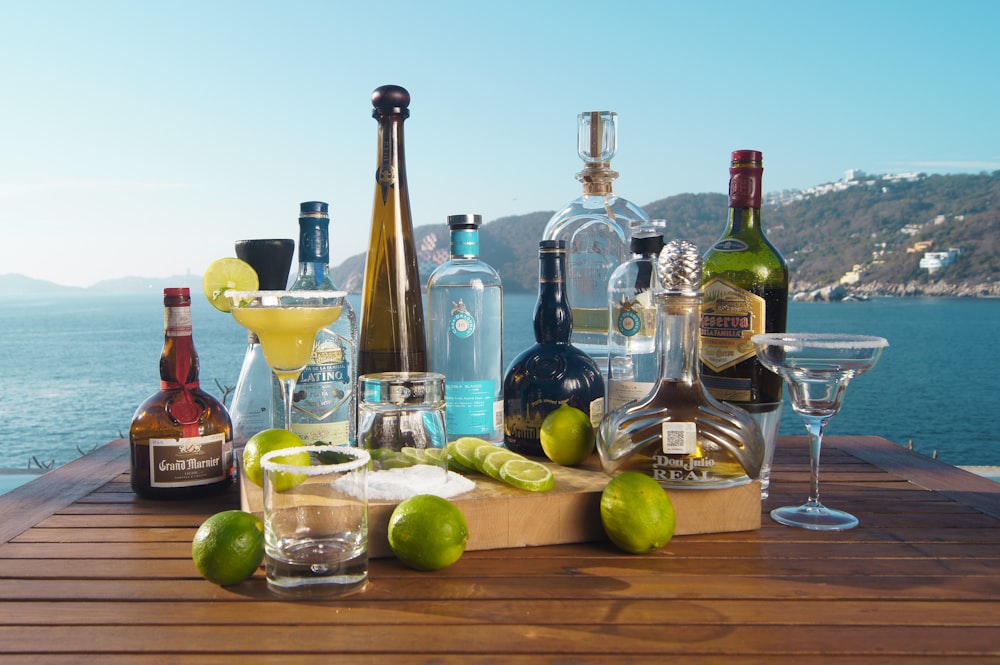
(496, 459)
(464, 449)
(227, 274)
(482, 452)
(528, 475)
(414, 455)
(434, 455)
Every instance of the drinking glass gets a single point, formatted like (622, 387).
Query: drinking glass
(401, 418)
(316, 520)
(816, 368)
(286, 323)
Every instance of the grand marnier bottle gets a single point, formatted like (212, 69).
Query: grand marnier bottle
(181, 438)
(552, 372)
(392, 337)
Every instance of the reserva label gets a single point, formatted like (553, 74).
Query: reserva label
(730, 316)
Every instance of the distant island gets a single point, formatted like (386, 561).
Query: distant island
(866, 235)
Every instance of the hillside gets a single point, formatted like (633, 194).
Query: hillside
(862, 226)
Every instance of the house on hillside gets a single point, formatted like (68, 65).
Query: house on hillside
(934, 261)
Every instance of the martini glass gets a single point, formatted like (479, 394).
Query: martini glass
(286, 322)
(817, 368)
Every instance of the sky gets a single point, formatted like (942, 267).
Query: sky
(142, 138)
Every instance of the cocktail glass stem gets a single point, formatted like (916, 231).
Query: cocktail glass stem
(815, 427)
(288, 394)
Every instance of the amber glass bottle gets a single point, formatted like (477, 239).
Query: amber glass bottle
(392, 337)
(181, 438)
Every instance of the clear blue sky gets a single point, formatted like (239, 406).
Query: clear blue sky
(143, 138)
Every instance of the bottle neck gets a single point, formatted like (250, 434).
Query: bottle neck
(597, 178)
(179, 365)
(677, 328)
(465, 244)
(391, 173)
(745, 183)
(553, 318)
(314, 253)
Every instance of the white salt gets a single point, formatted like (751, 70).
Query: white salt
(402, 483)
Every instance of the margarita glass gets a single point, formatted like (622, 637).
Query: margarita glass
(286, 322)
(816, 368)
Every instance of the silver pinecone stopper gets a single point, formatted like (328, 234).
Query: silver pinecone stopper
(679, 269)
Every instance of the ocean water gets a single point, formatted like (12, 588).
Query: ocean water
(74, 369)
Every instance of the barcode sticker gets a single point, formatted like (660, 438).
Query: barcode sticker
(679, 438)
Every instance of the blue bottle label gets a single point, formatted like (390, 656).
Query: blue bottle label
(461, 324)
(470, 409)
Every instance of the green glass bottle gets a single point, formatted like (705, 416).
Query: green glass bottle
(745, 282)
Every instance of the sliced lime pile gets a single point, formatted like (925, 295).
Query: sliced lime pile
(224, 275)
(528, 475)
(470, 454)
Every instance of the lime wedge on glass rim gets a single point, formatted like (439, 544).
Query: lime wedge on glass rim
(225, 275)
(528, 475)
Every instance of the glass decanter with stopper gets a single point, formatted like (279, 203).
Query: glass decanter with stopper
(679, 434)
(595, 227)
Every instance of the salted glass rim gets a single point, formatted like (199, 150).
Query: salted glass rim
(821, 340)
(360, 455)
(233, 294)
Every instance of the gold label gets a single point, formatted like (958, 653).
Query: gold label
(730, 316)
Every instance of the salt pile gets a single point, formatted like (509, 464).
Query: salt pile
(401, 483)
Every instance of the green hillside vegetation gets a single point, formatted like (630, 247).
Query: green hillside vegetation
(866, 225)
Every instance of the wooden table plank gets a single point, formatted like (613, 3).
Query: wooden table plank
(92, 574)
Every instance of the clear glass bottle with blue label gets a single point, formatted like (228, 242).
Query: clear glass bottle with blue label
(465, 334)
(632, 359)
(325, 405)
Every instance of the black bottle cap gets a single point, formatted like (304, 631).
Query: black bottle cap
(646, 244)
(272, 259)
(307, 207)
(389, 99)
(464, 221)
(552, 244)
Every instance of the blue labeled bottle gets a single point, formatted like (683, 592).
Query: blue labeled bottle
(465, 335)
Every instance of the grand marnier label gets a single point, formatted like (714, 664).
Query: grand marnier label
(730, 316)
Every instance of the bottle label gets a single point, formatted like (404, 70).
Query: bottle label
(730, 245)
(177, 321)
(679, 438)
(191, 461)
(730, 316)
(323, 433)
(471, 408)
(622, 392)
(596, 411)
(462, 324)
(635, 316)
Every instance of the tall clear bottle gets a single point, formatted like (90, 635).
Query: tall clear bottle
(254, 406)
(553, 371)
(465, 335)
(679, 434)
(595, 228)
(181, 438)
(324, 410)
(745, 280)
(632, 362)
(392, 335)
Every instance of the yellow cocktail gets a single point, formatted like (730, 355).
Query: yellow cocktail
(286, 322)
(286, 334)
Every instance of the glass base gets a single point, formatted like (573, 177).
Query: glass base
(814, 516)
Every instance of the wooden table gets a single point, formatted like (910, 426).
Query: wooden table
(90, 573)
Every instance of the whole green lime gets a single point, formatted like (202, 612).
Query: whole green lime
(567, 436)
(228, 547)
(637, 513)
(264, 442)
(427, 532)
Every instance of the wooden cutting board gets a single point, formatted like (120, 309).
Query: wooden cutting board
(501, 516)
